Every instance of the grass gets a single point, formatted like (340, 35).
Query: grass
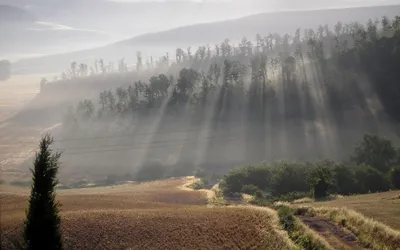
(370, 233)
(155, 215)
(382, 207)
(299, 233)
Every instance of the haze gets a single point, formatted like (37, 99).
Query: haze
(92, 23)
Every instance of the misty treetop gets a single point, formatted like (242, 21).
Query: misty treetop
(311, 93)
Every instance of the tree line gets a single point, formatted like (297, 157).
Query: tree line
(373, 167)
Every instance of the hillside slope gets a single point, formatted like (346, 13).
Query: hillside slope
(157, 44)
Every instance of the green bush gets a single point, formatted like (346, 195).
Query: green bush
(236, 179)
(394, 175)
(249, 189)
(289, 177)
(287, 219)
(345, 181)
(371, 180)
(260, 199)
(198, 185)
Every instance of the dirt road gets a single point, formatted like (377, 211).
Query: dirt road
(336, 236)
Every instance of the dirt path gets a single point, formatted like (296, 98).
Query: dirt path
(335, 235)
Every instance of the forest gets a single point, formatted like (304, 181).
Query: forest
(304, 96)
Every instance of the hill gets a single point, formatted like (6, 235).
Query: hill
(159, 43)
(278, 22)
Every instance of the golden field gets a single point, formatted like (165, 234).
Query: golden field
(155, 215)
(383, 207)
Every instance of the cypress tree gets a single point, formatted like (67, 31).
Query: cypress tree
(42, 224)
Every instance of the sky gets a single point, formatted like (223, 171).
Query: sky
(115, 20)
(126, 18)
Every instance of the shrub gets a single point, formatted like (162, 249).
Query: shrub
(289, 177)
(371, 180)
(236, 179)
(198, 185)
(259, 199)
(287, 219)
(395, 177)
(345, 181)
(249, 189)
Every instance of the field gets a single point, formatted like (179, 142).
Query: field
(17, 140)
(156, 215)
(383, 207)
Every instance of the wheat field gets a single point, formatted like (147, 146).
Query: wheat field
(155, 215)
(383, 207)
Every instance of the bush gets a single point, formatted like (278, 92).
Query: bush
(236, 179)
(249, 189)
(198, 185)
(289, 177)
(371, 180)
(151, 171)
(395, 177)
(259, 199)
(287, 219)
(345, 181)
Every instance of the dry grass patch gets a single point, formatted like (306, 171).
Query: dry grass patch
(383, 207)
(370, 233)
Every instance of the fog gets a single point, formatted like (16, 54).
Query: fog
(285, 94)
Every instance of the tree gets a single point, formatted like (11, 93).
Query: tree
(395, 177)
(345, 180)
(321, 180)
(371, 180)
(5, 70)
(139, 61)
(376, 152)
(42, 224)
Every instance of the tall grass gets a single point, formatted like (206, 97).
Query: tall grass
(299, 233)
(371, 233)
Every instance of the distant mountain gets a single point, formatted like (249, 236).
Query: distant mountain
(280, 22)
(14, 14)
(156, 44)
